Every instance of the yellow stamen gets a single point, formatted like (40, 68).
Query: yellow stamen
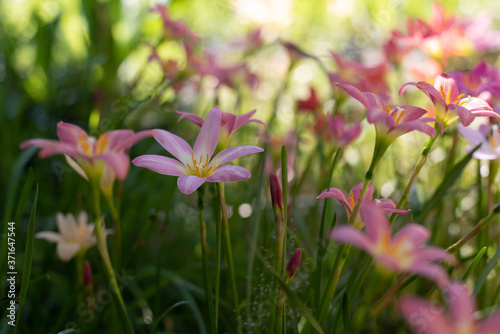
(459, 97)
(85, 145)
(387, 110)
(352, 199)
(206, 163)
(102, 144)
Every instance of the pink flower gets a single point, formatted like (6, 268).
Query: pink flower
(333, 128)
(366, 78)
(102, 158)
(384, 204)
(449, 104)
(174, 29)
(196, 165)
(230, 123)
(489, 138)
(481, 81)
(426, 318)
(310, 104)
(405, 252)
(389, 124)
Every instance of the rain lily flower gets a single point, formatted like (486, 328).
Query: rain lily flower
(386, 205)
(365, 78)
(390, 124)
(230, 123)
(334, 129)
(425, 317)
(489, 138)
(403, 252)
(482, 81)
(74, 236)
(196, 166)
(310, 104)
(101, 159)
(449, 104)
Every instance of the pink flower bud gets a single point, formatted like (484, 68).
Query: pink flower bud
(276, 192)
(87, 273)
(294, 263)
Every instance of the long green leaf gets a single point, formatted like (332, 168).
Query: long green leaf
(164, 314)
(441, 190)
(474, 263)
(487, 270)
(28, 256)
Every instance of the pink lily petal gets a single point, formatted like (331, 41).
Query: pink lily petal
(490, 325)
(190, 117)
(350, 235)
(414, 234)
(475, 104)
(116, 137)
(376, 225)
(473, 136)
(356, 191)
(174, 145)
(423, 127)
(430, 271)
(70, 134)
(49, 236)
(160, 164)
(188, 184)
(246, 118)
(66, 250)
(412, 114)
(209, 134)
(49, 147)
(119, 162)
(130, 140)
(424, 317)
(487, 113)
(462, 305)
(466, 117)
(338, 195)
(374, 115)
(388, 206)
(430, 253)
(229, 173)
(233, 153)
(366, 99)
(448, 85)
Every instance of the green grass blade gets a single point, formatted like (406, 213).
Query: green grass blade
(291, 295)
(474, 263)
(447, 182)
(164, 314)
(486, 271)
(28, 256)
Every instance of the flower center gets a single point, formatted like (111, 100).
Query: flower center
(447, 96)
(91, 146)
(199, 167)
(397, 115)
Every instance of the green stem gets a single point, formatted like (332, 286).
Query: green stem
(103, 250)
(115, 215)
(420, 163)
(203, 240)
(229, 254)
(218, 246)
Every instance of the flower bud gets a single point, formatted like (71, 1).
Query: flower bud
(87, 273)
(294, 263)
(276, 192)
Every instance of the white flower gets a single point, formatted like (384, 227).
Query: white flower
(75, 235)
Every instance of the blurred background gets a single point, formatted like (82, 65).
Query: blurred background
(109, 64)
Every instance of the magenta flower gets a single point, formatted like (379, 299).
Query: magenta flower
(425, 317)
(102, 158)
(333, 128)
(489, 138)
(196, 165)
(230, 123)
(386, 205)
(449, 104)
(405, 252)
(389, 125)
(174, 29)
(311, 104)
(482, 81)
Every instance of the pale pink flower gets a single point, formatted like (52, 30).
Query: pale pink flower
(489, 138)
(425, 317)
(196, 166)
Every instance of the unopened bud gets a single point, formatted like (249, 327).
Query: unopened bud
(87, 273)
(276, 192)
(294, 263)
